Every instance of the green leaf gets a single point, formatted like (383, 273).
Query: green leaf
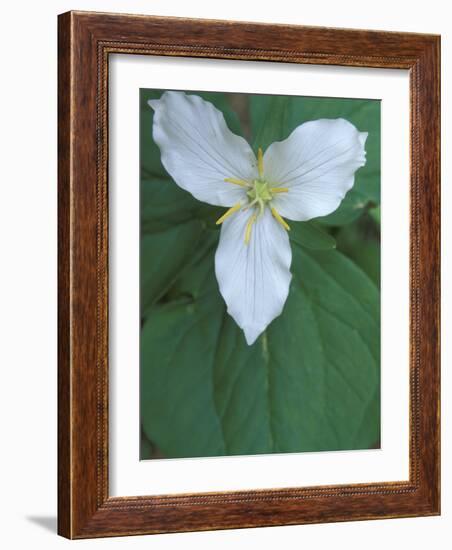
(164, 204)
(311, 236)
(270, 119)
(310, 383)
(192, 283)
(162, 257)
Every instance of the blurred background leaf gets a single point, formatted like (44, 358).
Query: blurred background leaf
(163, 256)
(310, 235)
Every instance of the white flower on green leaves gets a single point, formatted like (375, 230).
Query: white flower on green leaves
(305, 176)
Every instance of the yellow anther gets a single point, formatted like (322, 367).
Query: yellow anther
(235, 181)
(279, 189)
(260, 162)
(249, 226)
(278, 218)
(229, 213)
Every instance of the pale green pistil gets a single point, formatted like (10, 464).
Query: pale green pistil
(259, 194)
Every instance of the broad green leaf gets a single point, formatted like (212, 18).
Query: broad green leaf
(311, 236)
(193, 282)
(164, 204)
(310, 383)
(178, 347)
(271, 119)
(162, 257)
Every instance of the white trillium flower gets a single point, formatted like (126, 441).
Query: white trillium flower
(305, 176)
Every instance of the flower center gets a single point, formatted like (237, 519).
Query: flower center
(259, 194)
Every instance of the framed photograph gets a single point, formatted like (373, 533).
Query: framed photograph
(248, 275)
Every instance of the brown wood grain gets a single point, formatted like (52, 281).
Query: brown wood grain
(85, 508)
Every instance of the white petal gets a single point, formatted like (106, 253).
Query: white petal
(253, 278)
(198, 149)
(317, 162)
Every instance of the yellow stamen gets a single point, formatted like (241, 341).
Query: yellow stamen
(229, 213)
(278, 218)
(260, 162)
(279, 189)
(235, 181)
(249, 226)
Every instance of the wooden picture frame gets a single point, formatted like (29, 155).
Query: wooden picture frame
(86, 40)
